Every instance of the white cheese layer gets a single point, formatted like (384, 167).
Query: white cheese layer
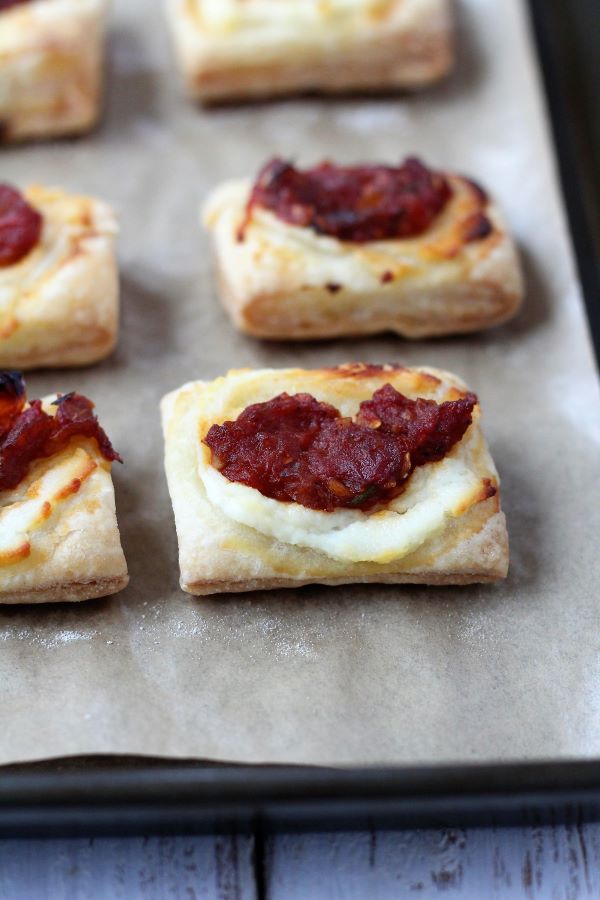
(438, 491)
(20, 520)
(21, 279)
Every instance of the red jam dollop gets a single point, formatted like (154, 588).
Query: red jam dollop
(6, 4)
(353, 203)
(297, 449)
(20, 226)
(30, 434)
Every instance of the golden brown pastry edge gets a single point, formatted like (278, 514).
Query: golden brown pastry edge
(73, 592)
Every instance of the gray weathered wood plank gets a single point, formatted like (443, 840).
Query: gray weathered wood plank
(561, 863)
(195, 868)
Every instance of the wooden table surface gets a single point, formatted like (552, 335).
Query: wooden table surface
(555, 863)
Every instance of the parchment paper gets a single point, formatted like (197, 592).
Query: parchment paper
(330, 676)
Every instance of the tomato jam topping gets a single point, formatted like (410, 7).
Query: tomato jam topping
(20, 226)
(297, 449)
(353, 203)
(6, 4)
(27, 434)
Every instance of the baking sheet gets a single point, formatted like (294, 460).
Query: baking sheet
(346, 676)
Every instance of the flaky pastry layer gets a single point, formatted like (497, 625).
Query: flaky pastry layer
(59, 306)
(285, 282)
(219, 554)
(243, 49)
(51, 60)
(59, 538)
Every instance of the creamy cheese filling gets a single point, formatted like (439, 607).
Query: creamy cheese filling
(436, 495)
(19, 280)
(19, 520)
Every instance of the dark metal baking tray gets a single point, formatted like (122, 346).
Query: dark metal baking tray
(103, 795)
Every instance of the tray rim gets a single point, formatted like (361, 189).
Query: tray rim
(567, 88)
(133, 795)
(128, 795)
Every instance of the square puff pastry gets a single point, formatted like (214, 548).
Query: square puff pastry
(59, 306)
(282, 281)
(244, 49)
(51, 61)
(59, 538)
(444, 529)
